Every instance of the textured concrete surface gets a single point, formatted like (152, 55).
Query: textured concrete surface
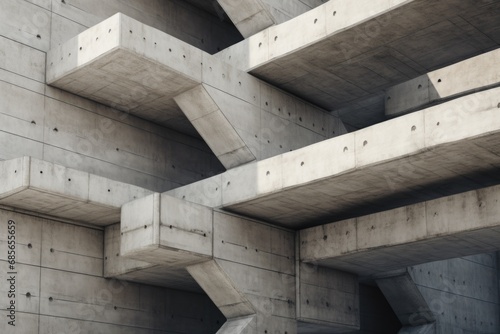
(342, 55)
(60, 287)
(445, 228)
(151, 74)
(472, 75)
(39, 186)
(363, 172)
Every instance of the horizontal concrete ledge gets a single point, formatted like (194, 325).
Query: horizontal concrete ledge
(317, 183)
(444, 228)
(471, 75)
(42, 187)
(125, 64)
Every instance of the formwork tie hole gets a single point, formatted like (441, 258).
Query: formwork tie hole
(334, 13)
(302, 163)
(38, 36)
(315, 20)
(346, 149)
(268, 173)
(28, 294)
(69, 180)
(365, 143)
(30, 246)
(413, 128)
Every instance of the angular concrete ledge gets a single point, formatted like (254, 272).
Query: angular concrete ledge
(445, 228)
(42, 187)
(165, 230)
(138, 69)
(313, 185)
(127, 65)
(471, 75)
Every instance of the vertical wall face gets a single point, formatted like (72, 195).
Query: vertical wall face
(462, 293)
(49, 124)
(59, 287)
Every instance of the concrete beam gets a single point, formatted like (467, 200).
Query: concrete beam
(45, 188)
(454, 140)
(444, 228)
(246, 267)
(144, 71)
(472, 75)
(253, 16)
(164, 230)
(406, 300)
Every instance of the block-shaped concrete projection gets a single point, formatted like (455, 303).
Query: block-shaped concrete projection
(444, 228)
(136, 68)
(405, 299)
(119, 267)
(454, 140)
(50, 189)
(164, 230)
(471, 75)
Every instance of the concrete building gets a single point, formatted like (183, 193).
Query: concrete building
(254, 167)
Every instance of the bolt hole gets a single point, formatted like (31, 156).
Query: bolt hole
(144, 38)
(30, 246)
(228, 183)
(388, 98)
(81, 48)
(97, 38)
(38, 36)
(365, 143)
(184, 56)
(302, 163)
(315, 20)
(275, 38)
(268, 173)
(300, 119)
(325, 237)
(52, 250)
(346, 149)
(439, 80)
(51, 299)
(438, 123)
(41, 172)
(109, 190)
(239, 83)
(69, 180)
(169, 50)
(109, 31)
(145, 226)
(260, 44)
(498, 106)
(115, 307)
(56, 130)
(130, 31)
(413, 128)
(334, 13)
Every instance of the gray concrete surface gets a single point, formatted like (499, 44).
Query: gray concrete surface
(472, 75)
(151, 74)
(342, 55)
(445, 228)
(39, 186)
(363, 172)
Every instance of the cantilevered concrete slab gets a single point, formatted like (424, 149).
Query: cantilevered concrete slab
(394, 163)
(133, 67)
(248, 268)
(471, 75)
(444, 228)
(342, 55)
(39, 186)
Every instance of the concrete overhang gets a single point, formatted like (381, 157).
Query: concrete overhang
(56, 191)
(391, 164)
(448, 227)
(343, 54)
(127, 65)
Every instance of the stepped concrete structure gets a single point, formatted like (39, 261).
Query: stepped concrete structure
(249, 167)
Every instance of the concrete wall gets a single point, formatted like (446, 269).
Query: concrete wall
(462, 293)
(60, 287)
(56, 126)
